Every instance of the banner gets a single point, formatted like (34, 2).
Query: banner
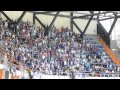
(54, 77)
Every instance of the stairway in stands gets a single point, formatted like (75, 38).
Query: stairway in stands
(109, 51)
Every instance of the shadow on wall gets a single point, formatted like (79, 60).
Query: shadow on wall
(118, 41)
(113, 44)
(115, 47)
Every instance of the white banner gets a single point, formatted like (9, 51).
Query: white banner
(99, 78)
(102, 78)
(54, 77)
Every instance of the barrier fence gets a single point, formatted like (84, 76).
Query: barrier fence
(12, 73)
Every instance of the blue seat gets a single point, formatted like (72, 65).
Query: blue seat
(100, 49)
(100, 46)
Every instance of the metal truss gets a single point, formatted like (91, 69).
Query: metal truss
(113, 24)
(55, 17)
(4, 14)
(10, 20)
(77, 27)
(87, 26)
(83, 15)
(92, 15)
(20, 18)
(36, 18)
(45, 27)
(71, 22)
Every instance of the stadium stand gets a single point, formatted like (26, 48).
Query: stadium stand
(28, 54)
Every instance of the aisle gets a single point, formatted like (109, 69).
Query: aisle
(110, 52)
(99, 41)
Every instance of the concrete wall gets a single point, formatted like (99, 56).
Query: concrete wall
(92, 29)
(118, 41)
(60, 21)
(16, 14)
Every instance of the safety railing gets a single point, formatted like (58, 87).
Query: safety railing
(23, 74)
(97, 76)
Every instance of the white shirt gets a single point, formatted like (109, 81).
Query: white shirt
(26, 75)
(17, 26)
(50, 72)
(5, 61)
(84, 60)
(77, 77)
(107, 71)
(12, 53)
(65, 62)
(23, 30)
(6, 24)
(13, 36)
(6, 44)
(18, 73)
(77, 65)
(72, 51)
(36, 75)
(25, 58)
(32, 73)
(43, 56)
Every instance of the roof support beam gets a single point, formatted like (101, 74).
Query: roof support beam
(108, 18)
(91, 12)
(75, 17)
(87, 26)
(77, 27)
(53, 20)
(49, 27)
(6, 16)
(40, 22)
(71, 22)
(22, 15)
(45, 12)
(51, 14)
(64, 16)
(34, 18)
(67, 16)
(111, 29)
(98, 16)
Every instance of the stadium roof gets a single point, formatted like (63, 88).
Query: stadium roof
(89, 15)
(97, 15)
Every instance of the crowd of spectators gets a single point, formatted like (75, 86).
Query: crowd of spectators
(60, 52)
